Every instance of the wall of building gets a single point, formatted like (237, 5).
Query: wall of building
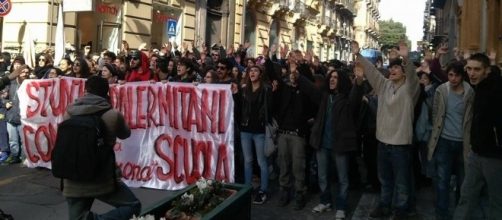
(41, 25)
(366, 23)
(472, 25)
(303, 24)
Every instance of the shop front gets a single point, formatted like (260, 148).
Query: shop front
(166, 24)
(102, 27)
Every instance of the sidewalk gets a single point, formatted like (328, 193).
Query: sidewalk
(25, 192)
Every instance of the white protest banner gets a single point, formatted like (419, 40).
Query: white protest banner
(179, 132)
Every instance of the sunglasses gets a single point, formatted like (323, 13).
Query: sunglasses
(135, 58)
(222, 67)
(76, 64)
(42, 60)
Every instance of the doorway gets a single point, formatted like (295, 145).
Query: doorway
(108, 36)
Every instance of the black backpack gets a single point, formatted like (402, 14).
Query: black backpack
(80, 152)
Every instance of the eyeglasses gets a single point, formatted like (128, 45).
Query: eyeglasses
(222, 67)
(134, 58)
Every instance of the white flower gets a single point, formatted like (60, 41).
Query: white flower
(210, 182)
(187, 198)
(147, 217)
(202, 184)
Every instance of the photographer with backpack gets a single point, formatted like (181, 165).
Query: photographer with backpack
(90, 129)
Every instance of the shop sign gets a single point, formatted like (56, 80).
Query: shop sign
(77, 5)
(5, 7)
(162, 18)
(107, 9)
(171, 27)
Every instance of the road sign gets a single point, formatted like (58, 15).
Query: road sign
(5, 6)
(171, 27)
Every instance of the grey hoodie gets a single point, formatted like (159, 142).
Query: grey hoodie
(116, 127)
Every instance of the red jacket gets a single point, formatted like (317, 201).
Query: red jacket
(141, 74)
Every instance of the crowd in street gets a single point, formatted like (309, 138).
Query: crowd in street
(412, 123)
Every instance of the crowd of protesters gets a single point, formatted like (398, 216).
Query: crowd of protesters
(410, 123)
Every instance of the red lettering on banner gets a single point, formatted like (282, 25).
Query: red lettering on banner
(223, 105)
(140, 117)
(183, 114)
(174, 112)
(126, 105)
(191, 177)
(117, 147)
(222, 163)
(202, 148)
(152, 102)
(31, 156)
(209, 112)
(164, 107)
(29, 112)
(47, 98)
(114, 96)
(177, 107)
(190, 113)
(158, 150)
(132, 171)
(44, 131)
(194, 115)
(45, 86)
(179, 142)
(46, 156)
(191, 152)
(61, 106)
(185, 92)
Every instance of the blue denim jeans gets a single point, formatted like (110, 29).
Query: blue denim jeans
(481, 173)
(325, 160)
(15, 143)
(395, 175)
(247, 140)
(447, 159)
(123, 199)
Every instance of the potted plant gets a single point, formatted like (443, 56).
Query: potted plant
(207, 199)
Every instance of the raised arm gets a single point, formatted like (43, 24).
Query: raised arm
(411, 76)
(375, 78)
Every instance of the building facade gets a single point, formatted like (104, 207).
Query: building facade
(366, 23)
(469, 25)
(325, 27)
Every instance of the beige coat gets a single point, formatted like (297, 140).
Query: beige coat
(439, 114)
(395, 106)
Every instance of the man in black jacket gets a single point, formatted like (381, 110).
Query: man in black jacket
(484, 162)
(293, 111)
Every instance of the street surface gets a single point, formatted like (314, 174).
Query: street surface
(28, 193)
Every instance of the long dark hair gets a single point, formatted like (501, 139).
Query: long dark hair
(85, 70)
(344, 84)
(263, 76)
